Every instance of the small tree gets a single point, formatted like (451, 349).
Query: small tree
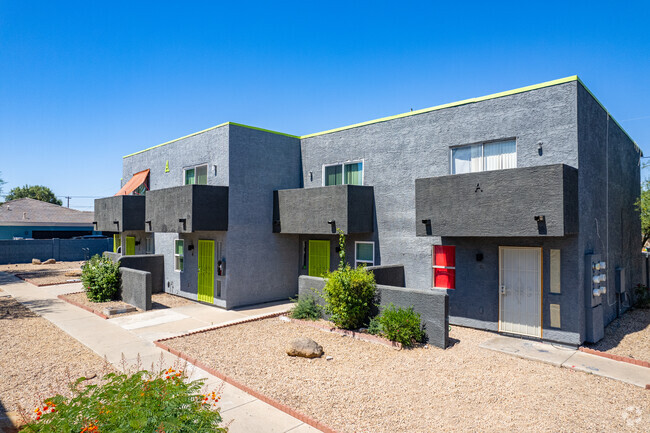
(37, 192)
(2, 182)
(643, 206)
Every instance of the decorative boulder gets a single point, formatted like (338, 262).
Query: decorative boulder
(305, 347)
(36, 262)
(49, 262)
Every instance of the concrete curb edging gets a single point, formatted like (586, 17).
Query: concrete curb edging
(276, 404)
(615, 357)
(83, 307)
(352, 334)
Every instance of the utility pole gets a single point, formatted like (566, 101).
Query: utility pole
(68, 197)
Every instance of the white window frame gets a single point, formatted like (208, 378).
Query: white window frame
(149, 245)
(194, 167)
(179, 255)
(366, 262)
(482, 144)
(343, 164)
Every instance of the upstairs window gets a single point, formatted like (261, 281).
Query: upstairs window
(197, 175)
(349, 173)
(497, 155)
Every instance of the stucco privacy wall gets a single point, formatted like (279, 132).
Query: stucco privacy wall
(432, 305)
(136, 288)
(609, 184)
(397, 152)
(23, 251)
(261, 264)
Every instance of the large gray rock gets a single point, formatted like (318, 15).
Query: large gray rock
(305, 347)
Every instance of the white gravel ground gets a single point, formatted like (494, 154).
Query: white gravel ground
(372, 388)
(629, 335)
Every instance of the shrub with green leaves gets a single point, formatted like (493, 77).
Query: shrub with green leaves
(400, 324)
(641, 296)
(101, 279)
(135, 403)
(349, 294)
(306, 308)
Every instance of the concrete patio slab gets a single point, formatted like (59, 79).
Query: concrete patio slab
(167, 330)
(536, 351)
(600, 366)
(209, 315)
(150, 318)
(258, 416)
(267, 308)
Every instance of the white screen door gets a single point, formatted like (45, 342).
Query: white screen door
(520, 290)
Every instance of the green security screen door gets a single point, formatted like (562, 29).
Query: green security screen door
(130, 246)
(206, 271)
(319, 258)
(116, 242)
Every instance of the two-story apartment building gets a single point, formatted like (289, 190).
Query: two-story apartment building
(520, 203)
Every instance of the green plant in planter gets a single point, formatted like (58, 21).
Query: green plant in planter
(140, 402)
(399, 324)
(306, 308)
(101, 279)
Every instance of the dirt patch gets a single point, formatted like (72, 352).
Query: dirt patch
(159, 301)
(629, 335)
(372, 388)
(44, 275)
(38, 359)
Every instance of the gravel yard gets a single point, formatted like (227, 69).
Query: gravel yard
(159, 301)
(37, 359)
(43, 275)
(629, 335)
(372, 388)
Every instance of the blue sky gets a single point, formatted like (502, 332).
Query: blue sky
(84, 83)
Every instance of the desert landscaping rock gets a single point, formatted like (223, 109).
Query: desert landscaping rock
(305, 347)
(49, 262)
(37, 359)
(373, 388)
(36, 262)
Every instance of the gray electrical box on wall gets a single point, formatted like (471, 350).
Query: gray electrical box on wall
(595, 288)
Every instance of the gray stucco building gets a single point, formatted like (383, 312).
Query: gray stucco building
(520, 203)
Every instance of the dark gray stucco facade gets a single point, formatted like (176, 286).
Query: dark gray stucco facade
(574, 166)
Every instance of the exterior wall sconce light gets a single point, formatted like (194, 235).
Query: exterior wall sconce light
(540, 218)
(148, 222)
(427, 222)
(190, 247)
(311, 176)
(215, 169)
(117, 223)
(95, 224)
(183, 221)
(331, 222)
(539, 148)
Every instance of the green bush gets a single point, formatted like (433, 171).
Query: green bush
(374, 327)
(349, 294)
(641, 296)
(101, 279)
(401, 324)
(306, 308)
(140, 402)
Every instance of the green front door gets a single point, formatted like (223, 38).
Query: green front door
(319, 258)
(117, 242)
(130, 246)
(206, 271)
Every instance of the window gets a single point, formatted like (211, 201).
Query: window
(349, 173)
(364, 253)
(178, 255)
(444, 267)
(149, 240)
(196, 175)
(497, 155)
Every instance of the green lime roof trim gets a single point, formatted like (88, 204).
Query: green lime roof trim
(413, 113)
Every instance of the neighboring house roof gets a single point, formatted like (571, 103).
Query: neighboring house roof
(138, 179)
(30, 212)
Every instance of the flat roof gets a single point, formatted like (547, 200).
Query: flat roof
(409, 113)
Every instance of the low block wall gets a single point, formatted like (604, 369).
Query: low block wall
(389, 275)
(136, 288)
(432, 305)
(152, 263)
(24, 250)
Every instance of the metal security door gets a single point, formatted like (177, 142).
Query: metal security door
(520, 291)
(130, 246)
(117, 242)
(319, 258)
(206, 272)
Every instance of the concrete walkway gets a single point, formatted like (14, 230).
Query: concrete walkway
(131, 337)
(565, 357)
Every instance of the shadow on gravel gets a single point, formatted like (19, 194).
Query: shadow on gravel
(634, 320)
(12, 309)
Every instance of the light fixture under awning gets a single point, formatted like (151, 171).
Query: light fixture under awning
(133, 183)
